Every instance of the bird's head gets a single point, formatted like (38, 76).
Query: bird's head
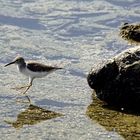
(17, 60)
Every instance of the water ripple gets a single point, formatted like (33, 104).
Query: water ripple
(32, 24)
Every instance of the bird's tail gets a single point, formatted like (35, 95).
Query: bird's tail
(59, 68)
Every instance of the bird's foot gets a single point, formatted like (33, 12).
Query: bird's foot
(24, 101)
(20, 87)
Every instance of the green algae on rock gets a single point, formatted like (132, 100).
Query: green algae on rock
(131, 33)
(121, 121)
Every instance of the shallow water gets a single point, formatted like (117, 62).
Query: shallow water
(76, 35)
(123, 121)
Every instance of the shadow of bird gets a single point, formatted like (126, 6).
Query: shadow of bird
(32, 115)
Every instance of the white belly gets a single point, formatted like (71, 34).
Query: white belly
(32, 74)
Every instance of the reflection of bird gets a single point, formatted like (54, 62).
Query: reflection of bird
(32, 70)
(32, 115)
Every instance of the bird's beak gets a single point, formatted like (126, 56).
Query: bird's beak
(9, 64)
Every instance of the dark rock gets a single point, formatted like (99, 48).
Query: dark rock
(117, 82)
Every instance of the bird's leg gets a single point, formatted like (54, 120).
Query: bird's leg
(29, 101)
(25, 86)
(27, 89)
(30, 84)
(20, 101)
(20, 87)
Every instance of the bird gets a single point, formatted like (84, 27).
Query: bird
(32, 70)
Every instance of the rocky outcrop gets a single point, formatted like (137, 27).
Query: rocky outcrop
(117, 82)
(131, 33)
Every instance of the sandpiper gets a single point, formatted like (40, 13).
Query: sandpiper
(32, 70)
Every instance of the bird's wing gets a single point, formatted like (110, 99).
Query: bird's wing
(37, 67)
